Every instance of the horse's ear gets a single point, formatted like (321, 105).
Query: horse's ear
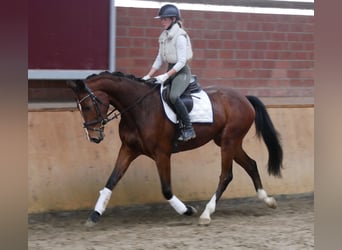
(76, 86)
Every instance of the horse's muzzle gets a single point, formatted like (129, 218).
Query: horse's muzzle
(95, 134)
(96, 140)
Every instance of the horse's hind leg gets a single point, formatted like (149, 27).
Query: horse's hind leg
(250, 166)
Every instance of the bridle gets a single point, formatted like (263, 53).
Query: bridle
(102, 120)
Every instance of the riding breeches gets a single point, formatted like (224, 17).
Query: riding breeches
(179, 82)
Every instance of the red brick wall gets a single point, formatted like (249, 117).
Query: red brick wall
(265, 55)
(259, 54)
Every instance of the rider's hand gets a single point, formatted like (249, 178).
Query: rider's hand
(162, 78)
(147, 77)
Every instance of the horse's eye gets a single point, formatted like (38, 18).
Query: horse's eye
(86, 108)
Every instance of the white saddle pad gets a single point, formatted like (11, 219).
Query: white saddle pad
(202, 111)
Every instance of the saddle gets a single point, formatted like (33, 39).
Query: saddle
(194, 87)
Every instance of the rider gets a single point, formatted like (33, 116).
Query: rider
(175, 50)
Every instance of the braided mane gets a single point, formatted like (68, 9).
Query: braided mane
(117, 74)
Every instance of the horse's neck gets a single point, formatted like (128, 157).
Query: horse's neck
(127, 95)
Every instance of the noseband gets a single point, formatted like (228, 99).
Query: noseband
(100, 118)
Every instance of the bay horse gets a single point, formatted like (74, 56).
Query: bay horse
(145, 130)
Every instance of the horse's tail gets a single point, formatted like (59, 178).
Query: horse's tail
(265, 129)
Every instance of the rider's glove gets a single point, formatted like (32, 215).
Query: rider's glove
(147, 77)
(162, 78)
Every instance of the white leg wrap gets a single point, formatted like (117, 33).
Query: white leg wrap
(270, 201)
(177, 205)
(262, 195)
(209, 208)
(103, 200)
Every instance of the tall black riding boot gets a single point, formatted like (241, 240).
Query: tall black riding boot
(188, 131)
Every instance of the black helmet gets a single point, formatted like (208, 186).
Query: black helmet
(169, 10)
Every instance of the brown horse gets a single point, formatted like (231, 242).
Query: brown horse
(145, 130)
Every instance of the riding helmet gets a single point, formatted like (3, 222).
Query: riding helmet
(169, 10)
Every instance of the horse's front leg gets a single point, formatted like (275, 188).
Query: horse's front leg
(163, 165)
(125, 157)
(225, 178)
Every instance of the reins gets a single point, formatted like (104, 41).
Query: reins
(104, 120)
(136, 102)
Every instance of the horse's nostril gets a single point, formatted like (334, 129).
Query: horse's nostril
(96, 140)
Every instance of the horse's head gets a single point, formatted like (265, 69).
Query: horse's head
(93, 106)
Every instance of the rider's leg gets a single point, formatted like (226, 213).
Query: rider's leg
(179, 83)
(188, 131)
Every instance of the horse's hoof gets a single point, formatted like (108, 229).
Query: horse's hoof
(190, 210)
(89, 223)
(93, 219)
(271, 202)
(204, 221)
